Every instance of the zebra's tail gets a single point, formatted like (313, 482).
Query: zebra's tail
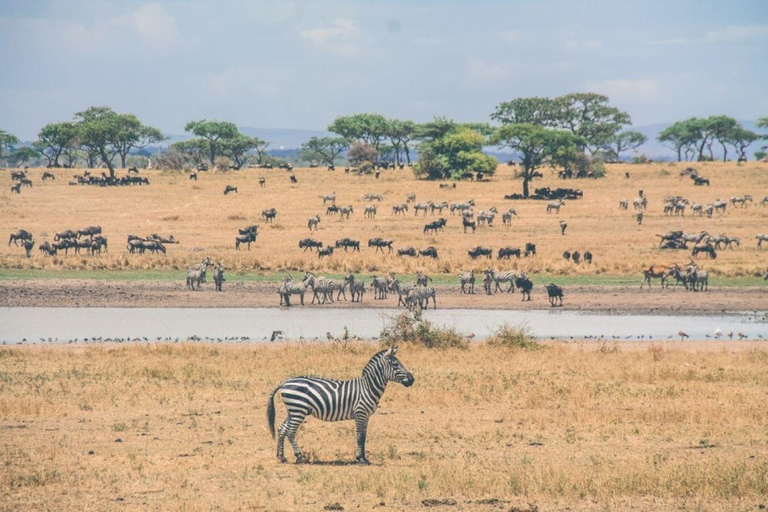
(271, 411)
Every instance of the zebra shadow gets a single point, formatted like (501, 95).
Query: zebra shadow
(334, 463)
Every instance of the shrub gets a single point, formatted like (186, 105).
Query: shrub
(410, 327)
(508, 336)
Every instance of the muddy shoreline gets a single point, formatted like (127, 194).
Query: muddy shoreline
(164, 294)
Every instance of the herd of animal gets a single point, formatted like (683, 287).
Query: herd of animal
(90, 239)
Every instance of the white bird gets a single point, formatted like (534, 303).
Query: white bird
(682, 335)
(718, 333)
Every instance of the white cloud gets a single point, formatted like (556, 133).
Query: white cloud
(154, 25)
(737, 34)
(340, 37)
(627, 90)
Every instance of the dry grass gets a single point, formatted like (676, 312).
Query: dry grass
(206, 221)
(581, 426)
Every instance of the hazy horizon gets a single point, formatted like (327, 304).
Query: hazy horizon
(299, 64)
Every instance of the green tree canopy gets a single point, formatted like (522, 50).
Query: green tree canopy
(238, 147)
(57, 139)
(26, 154)
(537, 144)
(368, 128)
(324, 149)
(400, 134)
(7, 141)
(213, 134)
(623, 141)
(453, 154)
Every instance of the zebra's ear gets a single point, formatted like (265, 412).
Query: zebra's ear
(390, 352)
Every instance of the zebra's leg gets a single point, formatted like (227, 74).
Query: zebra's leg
(361, 429)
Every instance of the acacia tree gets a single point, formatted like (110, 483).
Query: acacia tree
(624, 141)
(361, 152)
(56, 140)
(99, 131)
(193, 150)
(589, 116)
(453, 154)
(238, 147)
(681, 136)
(213, 135)
(7, 141)
(134, 135)
(537, 145)
(400, 134)
(368, 128)
(23, 155)
(325, 149)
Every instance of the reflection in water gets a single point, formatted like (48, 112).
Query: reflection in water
(258, 324)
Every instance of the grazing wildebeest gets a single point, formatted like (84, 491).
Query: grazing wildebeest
(325, 251)
(530, 249)
(28, 245)
(89, 231)
(332, 210)
(16, 189)
(330, 197)
(313, 222)
(567, 255)
(154, 246)
(26, 182)
(229, 188)
(247, 238)
(525, 286)
(508, 252)
(254, 228)
(563, 227)
(555, 294)
(370, 211)
(408, 251)
(708, 249)
(347, 243)
(308, 243)
(467, 280)
(21, 234)
(262, 182)
(588, 257)
(762, 237)
(269, 214)
(47, 248)
(435, 226)
(65, 245)
(193, 176)
(332, 400)
(65, 235)
(429, 252)
(293, 179)
(466, 223)
(344, 211)
(480, 251)
(48, 176)
(399, 209)
(380, 244)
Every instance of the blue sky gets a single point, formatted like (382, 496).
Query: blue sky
(299, 64)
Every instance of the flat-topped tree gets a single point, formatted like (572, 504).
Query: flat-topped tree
(623, 141)
(56, 140)
(325, 149)
(7, 141)
(214, 133)
(238, 148)
(368, 128)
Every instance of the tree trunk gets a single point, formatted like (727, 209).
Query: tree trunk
(679, 154)
(526, 178)
(123, 157)
(407, 153)
(725, 152)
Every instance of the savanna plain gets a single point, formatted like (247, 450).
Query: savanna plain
(568, 426)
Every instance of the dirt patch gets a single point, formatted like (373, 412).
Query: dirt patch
(164, 294)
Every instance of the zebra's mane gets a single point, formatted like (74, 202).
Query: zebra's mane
(375, 359)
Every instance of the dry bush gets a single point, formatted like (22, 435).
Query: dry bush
(508, 336)
(411, 327)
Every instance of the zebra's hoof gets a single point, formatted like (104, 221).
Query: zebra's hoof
(363, 461)
(282, 460)
(301, 459)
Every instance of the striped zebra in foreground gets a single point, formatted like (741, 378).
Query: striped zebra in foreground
(333, 400)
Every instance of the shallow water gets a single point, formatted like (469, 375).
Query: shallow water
(256, 324)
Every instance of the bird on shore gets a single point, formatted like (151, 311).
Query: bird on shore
(682, 335)
(730, 334)
(718, 333)
(742, 336)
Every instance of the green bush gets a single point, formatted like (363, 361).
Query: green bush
(508, 336)
(410, 327)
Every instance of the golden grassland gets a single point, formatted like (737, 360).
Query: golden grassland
(579, 426)
(206, 221)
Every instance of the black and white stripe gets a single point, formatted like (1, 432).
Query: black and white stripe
(333, 400)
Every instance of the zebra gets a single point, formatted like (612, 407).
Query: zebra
(344, 211)
(330, 197)
(623, 204)
(321, 287)
(379, 285)
(410, 198)
(503, 277)
(399, 209)
(461, 207)
(370, 211)
(313, 222)
(762, 237)
(467, 280)
(269, 214)
(356, 288)
(555, 206)
(421, 295)
(486, 217)
(288, 288)
(402, 290)
(439, 207)
(421, 206)
(488, 283)
(421, 278)
(333, 400)
(218, 277)
(640, 203)
(506, 217)
(697, 209)
(196, 275)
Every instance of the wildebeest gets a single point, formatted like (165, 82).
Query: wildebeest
(229, 188)
(466, 223)
(193, 176)
(16, 189)
(408, 251)
(508, 252)
(588, 257)
(700, 180)
(64, 245)
(555, 295)
(347, 243)
(28, 245)
(313, 222)
(64, 235)
(47, 248)
(269, 214)
(48, 176)
(480, 251)
(435, 226)
(567, 255)
(293, 179)
(332, 210)
(726, 241)
(247, 238)
(262, 182)
(21, 234)
(530, 249)
(742, 200)
(89, 231)
(624, 204)
(576, 257)
(308, 243)
(26, 182)
(563, 227)
(707, 249)
(325, 251)
(429, 252)
(154, 246)
(525, 286)
(380, 244)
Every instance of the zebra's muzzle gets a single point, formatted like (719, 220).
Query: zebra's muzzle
(408, 380)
